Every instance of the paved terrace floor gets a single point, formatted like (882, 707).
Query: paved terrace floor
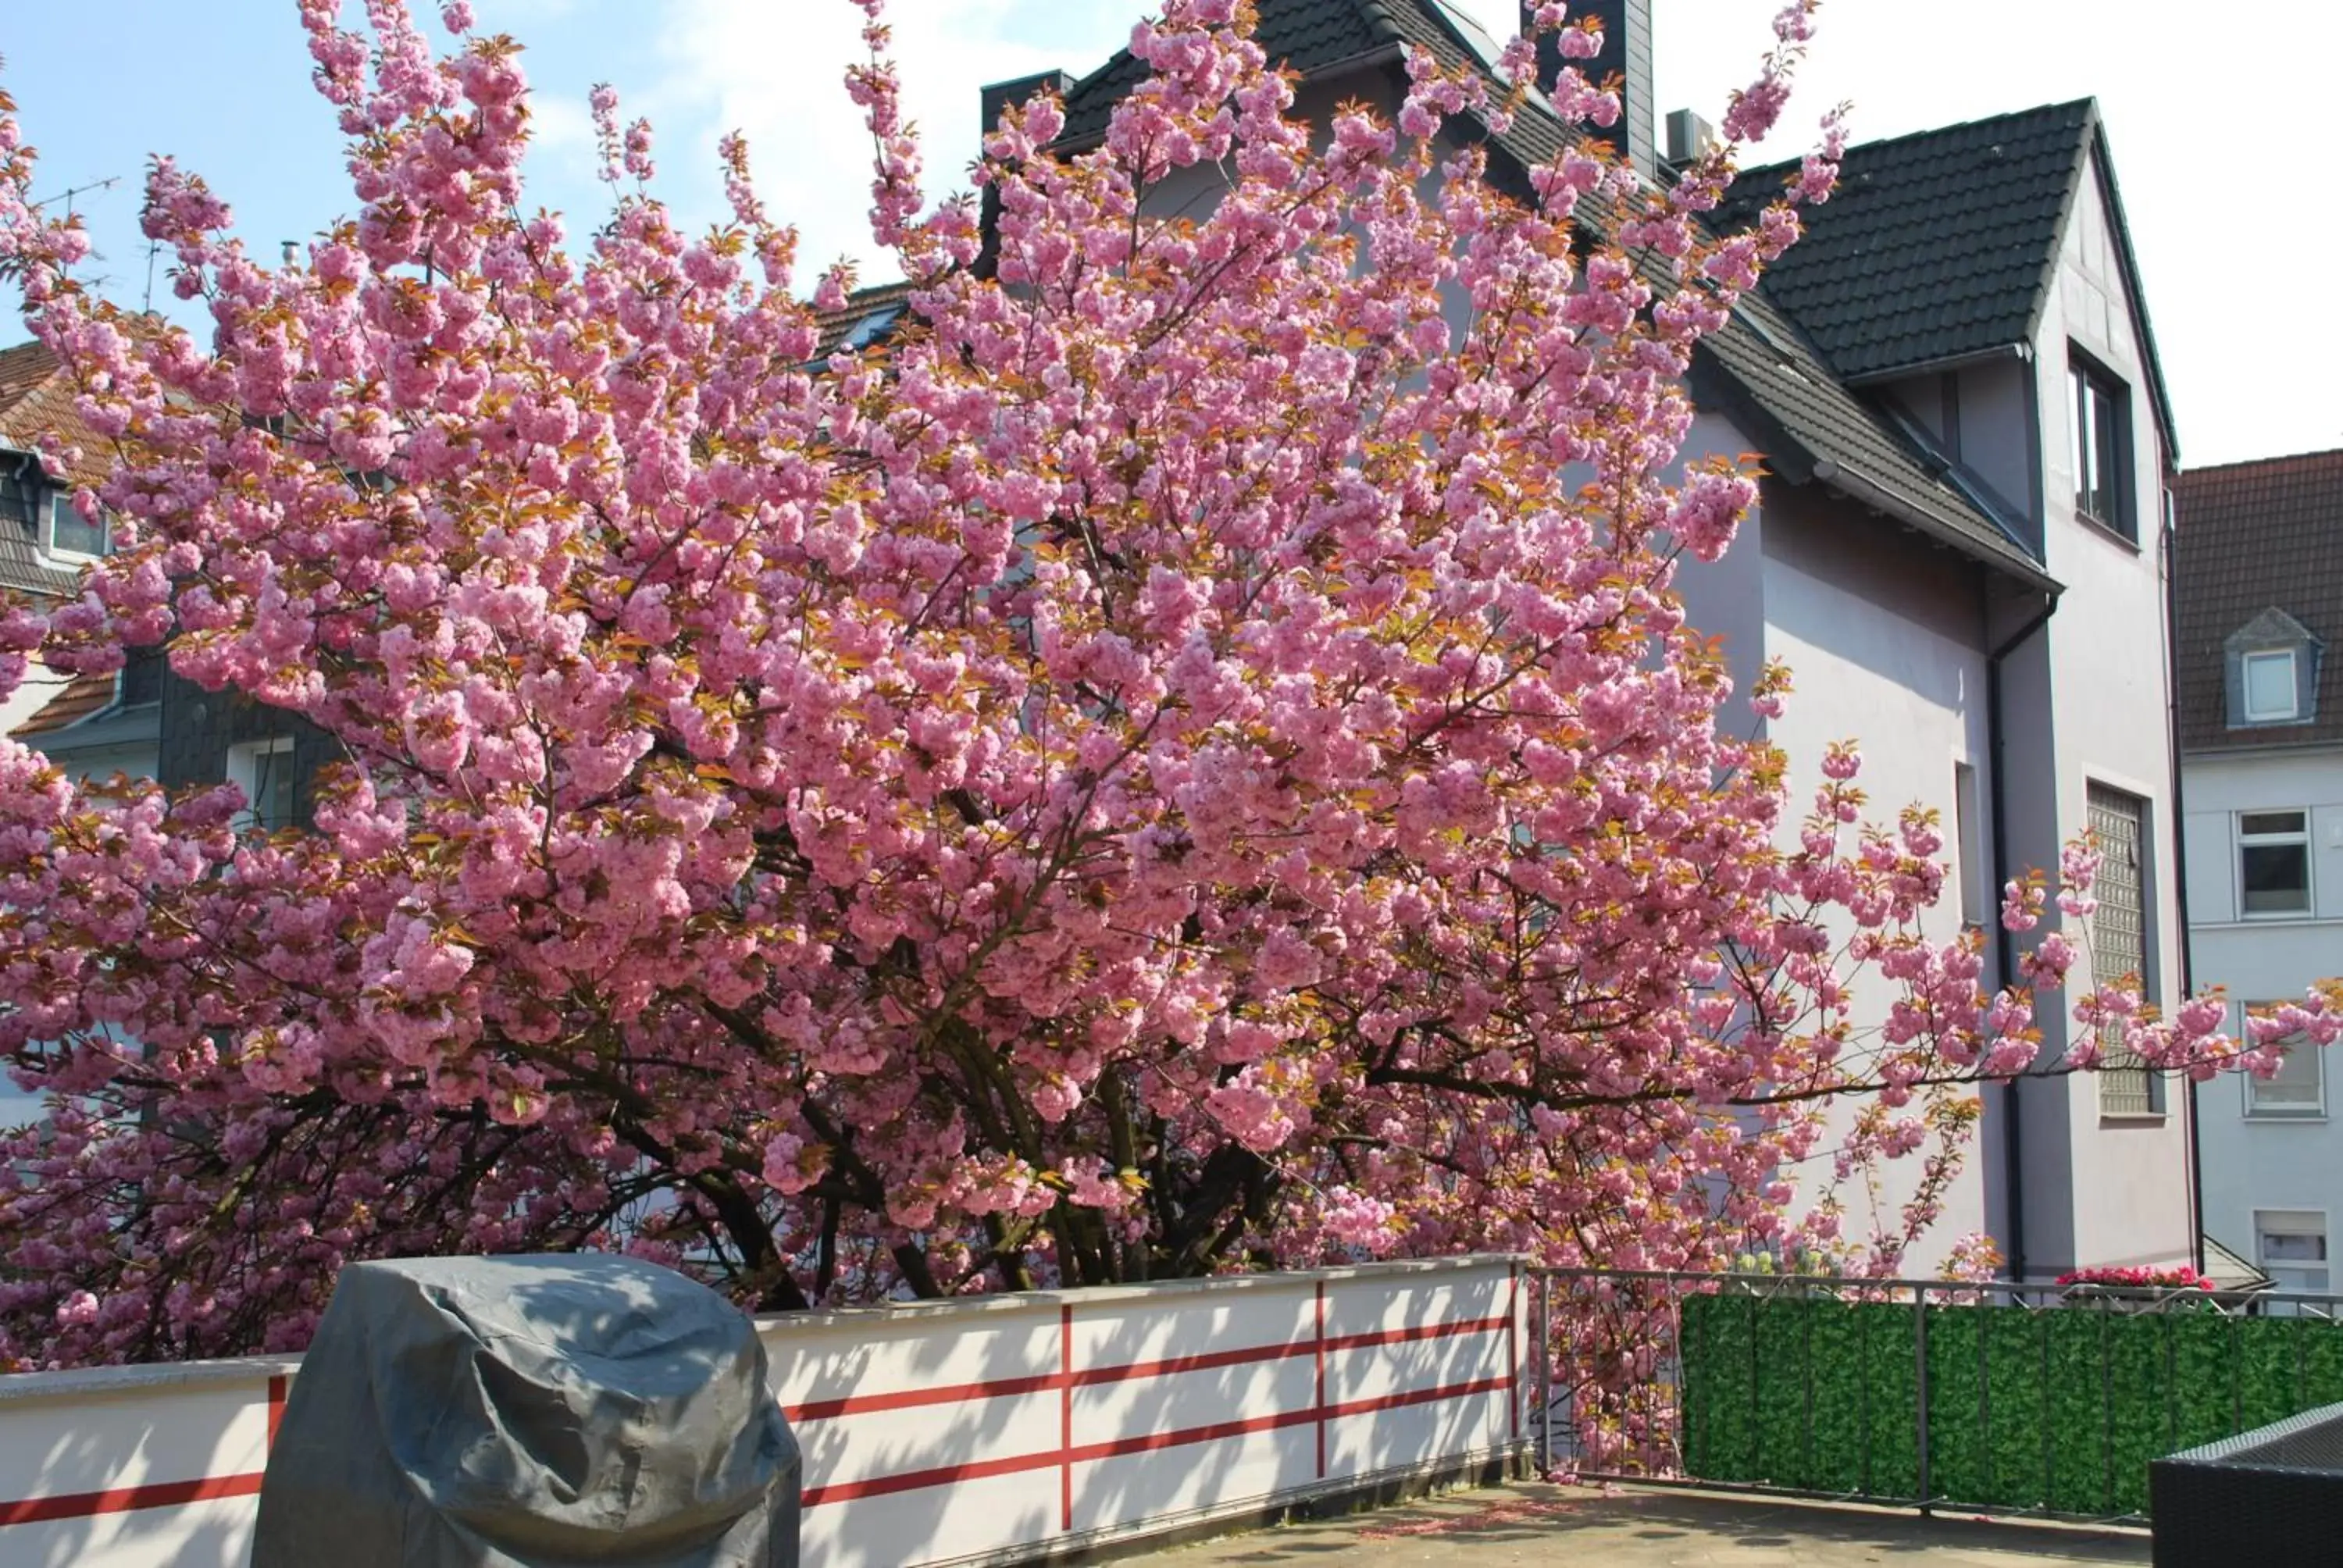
(1497, 1527)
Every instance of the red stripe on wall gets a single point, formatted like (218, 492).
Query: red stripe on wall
(1415, 1332)
(1418, 1396)
(910, 1398)
(919, 1480)
(125, 1499)
(1149, 1443)
(1067, 1457)
(1093, 1376)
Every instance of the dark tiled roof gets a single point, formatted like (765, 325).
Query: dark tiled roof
(77, 700)
(1307, 35)
(870, 305)
(2252, 537)
(1935, 245)
(1814, 426)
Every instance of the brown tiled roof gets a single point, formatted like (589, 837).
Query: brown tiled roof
(36, 399)
(2253, 536)
(77, 700)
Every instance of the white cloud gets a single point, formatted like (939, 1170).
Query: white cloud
(774, 70)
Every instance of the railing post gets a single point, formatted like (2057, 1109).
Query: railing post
(1544, 1380)
(1920, 1389)
(1683, 1397)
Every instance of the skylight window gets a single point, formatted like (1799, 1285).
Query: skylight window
(871, 327)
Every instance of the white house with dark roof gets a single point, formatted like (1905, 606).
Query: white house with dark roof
(1960, 548)
(2260, 583)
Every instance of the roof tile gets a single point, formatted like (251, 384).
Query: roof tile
(1935, 245)
(2252, 537)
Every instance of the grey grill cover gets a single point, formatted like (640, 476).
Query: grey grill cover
(496, 1412)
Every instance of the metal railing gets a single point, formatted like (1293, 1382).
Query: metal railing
(2021, 1399)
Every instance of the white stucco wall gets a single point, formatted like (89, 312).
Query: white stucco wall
(2092, 695)
(1882, 635)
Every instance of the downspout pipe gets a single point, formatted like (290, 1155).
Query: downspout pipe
(2171, 585)
(2005, 944)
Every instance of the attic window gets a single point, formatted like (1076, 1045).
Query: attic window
(868, 330)
(69, 533)
(2272, 674)
(2271, 696)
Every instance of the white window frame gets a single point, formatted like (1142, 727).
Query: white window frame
(2293, 708)
(2245, 841)
(2298, 1223)
(1968, 847)
(2298, 1050)
(64, 499)
(244, 772)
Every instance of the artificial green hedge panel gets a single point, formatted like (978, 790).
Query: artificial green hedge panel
(2058, 1409)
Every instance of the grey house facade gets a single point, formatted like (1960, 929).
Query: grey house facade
(1958, 549)
(2260, 588)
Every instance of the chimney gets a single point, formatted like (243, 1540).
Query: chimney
(1001, 94)
(1690, 137)
(1627, 55)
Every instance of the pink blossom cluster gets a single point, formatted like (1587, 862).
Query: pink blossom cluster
(2178, 1277)
(1189, 757)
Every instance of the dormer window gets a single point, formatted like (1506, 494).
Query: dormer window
(2270, 691)
(68, 533)
(2273, 672)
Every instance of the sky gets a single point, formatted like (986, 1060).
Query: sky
(2226, 181)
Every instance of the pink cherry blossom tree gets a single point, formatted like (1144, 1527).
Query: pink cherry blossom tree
(1187, 757)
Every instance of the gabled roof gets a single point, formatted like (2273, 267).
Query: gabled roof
(1943, 246)
(81, 698)
(1935, 246)
(36, 398)
(2251, 538)
(1761, 364)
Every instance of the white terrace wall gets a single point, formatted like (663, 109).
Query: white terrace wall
(985, 1430)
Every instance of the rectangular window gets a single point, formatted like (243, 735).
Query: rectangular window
(2127, 1086)
(2297, 1091)
(263, 770)
(2098, 428)
(2271, 686)
(2290, 1245)
(1977, 897)
(2273, 863)
(70, 535)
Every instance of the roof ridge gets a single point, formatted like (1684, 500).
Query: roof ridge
(2046, 280)
(1876, 142)
(2271, 461)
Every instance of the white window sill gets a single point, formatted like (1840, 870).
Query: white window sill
(2264, 922)
(2134, 1118)
(2106, 531)
(2279, 1119)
